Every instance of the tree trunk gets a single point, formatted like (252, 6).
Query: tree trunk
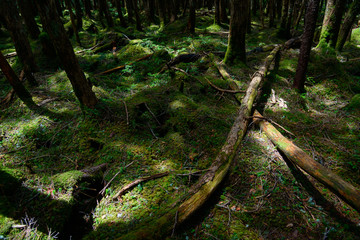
(161, 11)
(28, 15)
(104, 9)
(120, 13)
(79, 15)
(307, 40)
(191, 21)
(14, 81)
(130, 11)
(87, 6)
(72, 19)
(8, 10)
(343, 189)
(149, 9)
(299, 16)
(346, 27)
(271, 13)
(223, 13)
(217, 12)
(65, 52)
(137, 17)
(238, 22)
(284, 14)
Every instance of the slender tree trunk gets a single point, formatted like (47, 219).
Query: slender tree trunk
(79, 15)
(137, 17)
(161, 11)
(349, 20)
(59, 8)
(65, 52)
(73, 23)
(150, 10)
(238, 22)
(271, 13)
(120, 13)
(104, 9)
(217, 12)
(300, 14)
(255, 6)
(284, 13)
(130, 11)
(8, 10)
(27, 13)
(14, 81)
(307, 40)
(223, 13)
(339, 11)
(87, 6)
(191, 21)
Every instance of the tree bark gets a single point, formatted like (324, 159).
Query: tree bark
(72, 19)
(65, 52)
(28, 15)
(87, 6)
(307, 40)
(8, 10)
(346, 27)
(331, 22)
(336, 184)
(79, 15)
(191, 20)
(238, 23)
(217, 12)
(14, 81)
(137, 16)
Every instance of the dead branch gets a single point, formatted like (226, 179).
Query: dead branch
(127, 113)
(223, 90)
(107, 185)
(123, 66)
(137, 181)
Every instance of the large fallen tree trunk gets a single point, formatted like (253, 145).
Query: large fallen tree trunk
(340, 187)
(208, 183)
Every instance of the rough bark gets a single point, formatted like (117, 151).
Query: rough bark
(65, 52)
(201, 191)
(8, 10)
(331, 22)
(346, 27)
(340, 187)
(306, 42)
(238, 23)
(14, 81)
(26, 10)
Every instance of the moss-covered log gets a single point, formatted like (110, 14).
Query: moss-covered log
(200, 192)
(340, 187)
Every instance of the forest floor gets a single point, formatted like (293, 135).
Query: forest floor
(153, 120)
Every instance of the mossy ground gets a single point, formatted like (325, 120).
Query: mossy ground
(150, 122)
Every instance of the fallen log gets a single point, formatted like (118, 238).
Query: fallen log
(200, 192)
(123, 66)
(336, 184)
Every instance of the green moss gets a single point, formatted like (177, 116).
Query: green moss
(354, 103)
(67, 179)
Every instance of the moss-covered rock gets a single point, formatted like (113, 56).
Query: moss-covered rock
(67, 179)
(354, 103)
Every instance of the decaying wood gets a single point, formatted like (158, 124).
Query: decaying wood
(340, 187)
(123, 66)
(272, 122)
(200, 192)
(137, 181)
